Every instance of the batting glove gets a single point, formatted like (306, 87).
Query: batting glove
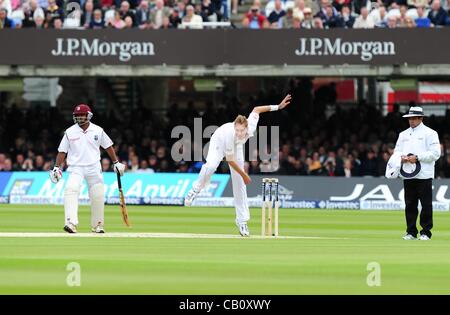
(55, 174)
(119, 168)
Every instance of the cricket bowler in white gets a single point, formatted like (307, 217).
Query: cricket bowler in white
(81, 144)
(228, 141)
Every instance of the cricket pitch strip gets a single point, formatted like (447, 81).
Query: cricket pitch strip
(152, 235)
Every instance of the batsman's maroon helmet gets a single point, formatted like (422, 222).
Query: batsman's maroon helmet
(82, 109)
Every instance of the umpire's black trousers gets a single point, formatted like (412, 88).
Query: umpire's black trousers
(415, 190)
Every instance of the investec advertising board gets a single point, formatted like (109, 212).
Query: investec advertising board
(170, 188)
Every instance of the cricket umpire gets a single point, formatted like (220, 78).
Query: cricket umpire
(418, 148)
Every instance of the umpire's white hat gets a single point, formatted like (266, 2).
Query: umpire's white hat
(393, 166)
(414, 111)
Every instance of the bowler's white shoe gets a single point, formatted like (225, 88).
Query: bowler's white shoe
(424, 237)
(98, 229)
(409, 237)
(70, 228)
(243, 229)
(190, 197)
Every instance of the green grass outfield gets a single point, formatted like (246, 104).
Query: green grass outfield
(334, 263)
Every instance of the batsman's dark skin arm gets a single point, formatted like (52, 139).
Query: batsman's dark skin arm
(112, 154)
(61, 156)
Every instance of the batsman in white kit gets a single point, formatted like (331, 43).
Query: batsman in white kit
(228, 141)
(81, 145)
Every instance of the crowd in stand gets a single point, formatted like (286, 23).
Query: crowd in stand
(327, 14)
(117, 14)
(157, 14)
(349, 142)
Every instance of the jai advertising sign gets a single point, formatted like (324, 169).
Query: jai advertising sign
(170, 188)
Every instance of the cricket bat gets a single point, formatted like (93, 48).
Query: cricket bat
(123, 207)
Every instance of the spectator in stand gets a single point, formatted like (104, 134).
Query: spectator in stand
(217, 8)
(437, 15)
(308, 19)
(88, 14)
(364, 20)
(5, 22)
(126, 11)
(324, 4)
(409, 22)
(347, 18)
(298, 9)
(339, 4)
(287, 21)
(106, 4)
(7, 166)
(383, 163)
(317, 23)
(330, 19)
(297, 23)
(106, 165)
(134, 164)
(28, 20)
(314, 165)
(270, 6)
(128, 22)
(181, 9)
(158, 13)
(329, 169)
(195, 20)
(48, 22)
(43, 4)
(39, 163)
(174, 18)
(97, 22)
(207, 11)
(166, 23)
(422, 20)
(57, 24)
(39, 20)
(349, 170)
(254, 19)
(401, 20)
(54, 10)
(417, 3)
(392, 21)
(18, 164)
(6, 4)
(359, 4)
(369, 166)
(379, 16)
(117, 22)
(144, 167)
(277, 13)
(314, 5)
(143, 15)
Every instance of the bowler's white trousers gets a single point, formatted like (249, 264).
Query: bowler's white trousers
(215, 155)
(94, 179)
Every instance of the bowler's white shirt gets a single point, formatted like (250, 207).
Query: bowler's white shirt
(423, 142)
(83, 146)
(226, 133)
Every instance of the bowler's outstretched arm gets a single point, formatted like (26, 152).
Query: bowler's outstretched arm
(267, 108)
